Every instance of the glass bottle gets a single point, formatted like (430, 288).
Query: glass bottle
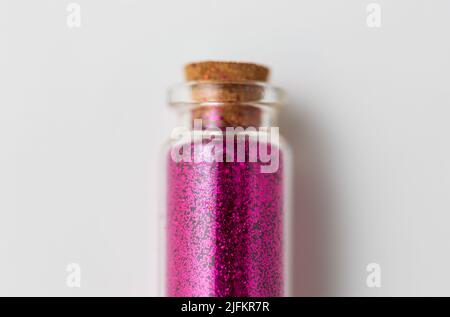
(227, 186)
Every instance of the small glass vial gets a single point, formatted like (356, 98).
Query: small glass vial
(227, 186)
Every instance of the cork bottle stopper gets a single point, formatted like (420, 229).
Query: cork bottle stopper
(225, 71)
(230, 83)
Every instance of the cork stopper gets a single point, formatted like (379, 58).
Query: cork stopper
(232, 84)
(225, 71)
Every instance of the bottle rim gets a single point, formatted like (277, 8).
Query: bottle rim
(255, 92)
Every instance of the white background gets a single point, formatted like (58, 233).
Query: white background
(83, 116)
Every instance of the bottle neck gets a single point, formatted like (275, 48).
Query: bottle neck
(225, 116)
(226, 104)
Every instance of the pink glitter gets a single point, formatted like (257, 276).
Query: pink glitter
(224, 229)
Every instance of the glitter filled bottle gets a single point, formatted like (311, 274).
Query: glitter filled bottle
(227, 184)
